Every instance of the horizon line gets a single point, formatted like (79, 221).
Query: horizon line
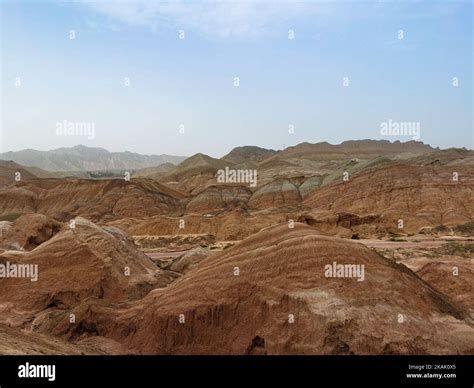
(412, 141)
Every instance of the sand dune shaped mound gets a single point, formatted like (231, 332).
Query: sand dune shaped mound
(75, 264)
(269, 295)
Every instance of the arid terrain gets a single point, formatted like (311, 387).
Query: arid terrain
(158, 255)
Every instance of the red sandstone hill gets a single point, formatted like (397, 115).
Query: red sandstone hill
(280, 302)
(289, 179)
(419, 195)
(95, 199)
(376, 196)
(379, 193)
(75, 264)
(370, 203)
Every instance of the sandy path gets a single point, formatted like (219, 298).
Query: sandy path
(164, 255)
(402, 244)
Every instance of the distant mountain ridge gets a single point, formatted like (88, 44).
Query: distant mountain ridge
(356, 149)
(82, 158)
(248, 154)
(304, 159)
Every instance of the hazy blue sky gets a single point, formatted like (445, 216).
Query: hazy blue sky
(190, 81)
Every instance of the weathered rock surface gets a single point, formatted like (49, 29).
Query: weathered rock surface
(281, 302)
(268, 294)
(95, 199)
(85, 262)
(453, 277)
(280, 193)
(232, 225)
(27, 232)
(245, 154)
(9, 171)
(189, 260)
(219, 198)
(418, 195)
(24, 342)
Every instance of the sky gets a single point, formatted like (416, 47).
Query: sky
(181, 77)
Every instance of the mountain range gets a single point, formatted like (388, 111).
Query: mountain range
(228, 268)
(82, 158)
